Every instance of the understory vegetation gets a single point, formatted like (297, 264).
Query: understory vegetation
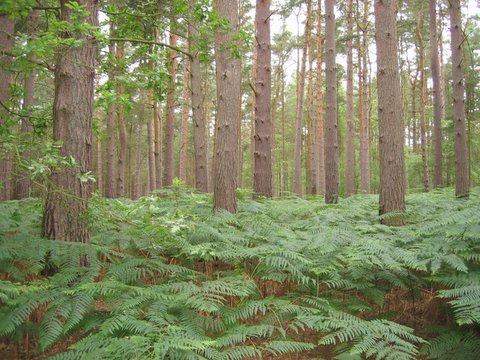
(287, 278)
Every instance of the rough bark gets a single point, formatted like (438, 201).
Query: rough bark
(111, 139)
(423, 93)
(462, 184)
(228, 88)
(170, 123)
(152, 181)
(122, 131)
(365, 130)
(23, 182)
(297, 157)
(182, 164)
(391, 130)
(7, 28)
(331, 133)
(67, 198)
(320, 148)
(350, 153)
(262, 175)
(437, 93)
(199, 128)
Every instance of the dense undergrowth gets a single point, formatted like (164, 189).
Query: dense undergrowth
(285, 278)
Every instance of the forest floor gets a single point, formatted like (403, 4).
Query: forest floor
(281, 279)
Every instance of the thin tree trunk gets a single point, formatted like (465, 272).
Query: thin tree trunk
(111, 159)
(311, 141)
(437, 101)
(68, 196)
(285, 181)
(152, 181)
(158, 144)
(228, 89)
(170, 124)
(262, 175)
(462, 184)
(390, 119)
(276, 169)
(99, 154)
(198, 118)
(137, 174)
(122, 132)
(320, 148)
(423, 93)
(7, 29)
(350, 163)
(23, 182)
(297, 162)
(331, 134)
(365, 132)
(252, 108)
(182, 166)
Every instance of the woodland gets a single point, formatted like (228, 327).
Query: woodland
(239, 179)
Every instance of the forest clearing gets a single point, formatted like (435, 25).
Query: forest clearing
(239, 179)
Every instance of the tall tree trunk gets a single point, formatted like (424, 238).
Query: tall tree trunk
(23, 183)
(276, 168)
(284, 187)
(437, 100)
(7, 28)
(423, 93)
(158, 144)
(390, 119)
(199, 120)
(182, 166)
(99, 153)
(111, 173)
(350, 163)
(462, 184)
(331, 134)
(413, 82)
(152, 181)
(311, 138)
(262, 176)
(252, 107)
(297, 161)
(137, 173)
(67, 198)
(228, 88)
(320, 148)
(170, 124)
(122, 131)
(365, 130)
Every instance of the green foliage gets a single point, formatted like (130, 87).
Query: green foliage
(167, 278)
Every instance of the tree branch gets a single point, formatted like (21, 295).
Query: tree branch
(143, 41)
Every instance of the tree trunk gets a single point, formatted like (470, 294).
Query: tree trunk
(158, 145)
(320, 148)
(23, 182)
(228, 88)
(350, 163)
(390, 119)
(67, 199)
(365, 130)
(437, 93)
(137, 173)
(413, 82)
(423, 93)
(199, 128)
(99, 154)
(152, 181)
(285, 182)
(311, 167)
(262, 175)
(182, 166)
(297, 162)
(7, 28)
(122, 132)
(462, 184)
(331, 134)
(111, 174)
(170, 124)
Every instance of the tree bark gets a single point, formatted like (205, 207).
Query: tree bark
(350, 161)
(111, 159)
(199, 128)
(99, 154)
(331, 134)
(437, 93)
(158, 145)
(152, 181)
(182, 165)
(170, 124)
(67, 199)
(7, 29)
(320, 136)
(390, 119)
(228, 89)
(297, 162)
(137, 174)
(462, 184)
(122, 131)
(23, 183)
(262, 176)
